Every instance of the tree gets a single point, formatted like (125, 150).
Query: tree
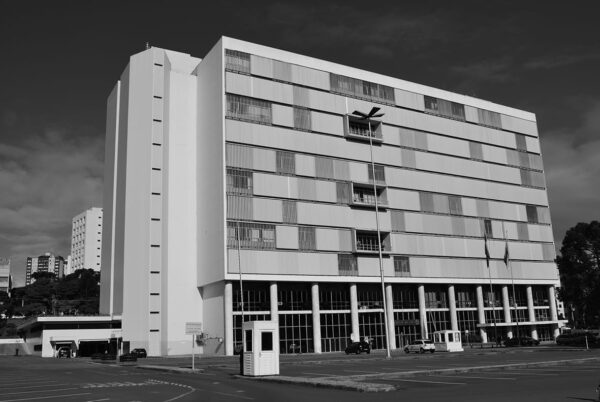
(579, 268)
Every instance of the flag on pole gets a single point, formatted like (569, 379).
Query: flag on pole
(487, 252)
(506, 254)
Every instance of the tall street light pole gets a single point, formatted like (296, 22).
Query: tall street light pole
(367, 118)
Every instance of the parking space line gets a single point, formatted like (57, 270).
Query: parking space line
(36, 386)
(361, 371)
(476, 377)
(323, 374)
(27, 380)
(510, 372)
(428, 382)
(45, 397)
(233, 395)
(33, 392)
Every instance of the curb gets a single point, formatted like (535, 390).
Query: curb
(172, 369)
(352, 383)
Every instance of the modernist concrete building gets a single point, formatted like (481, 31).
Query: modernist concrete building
(251, 160)
(86, 240)
(44, 263)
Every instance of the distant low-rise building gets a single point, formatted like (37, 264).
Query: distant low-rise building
(5, 277)
(44, 263)
(86, 240)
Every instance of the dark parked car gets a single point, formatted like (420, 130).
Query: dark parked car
(358, 348)
(521, 341)
(139, 352)
(128, 357)
(64, 352)
(577, 339)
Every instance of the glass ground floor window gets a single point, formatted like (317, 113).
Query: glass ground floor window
(407, 327)
(437, 320)
(467, 324)
(496, 315)
(237, 327)
(371, 325)
(545, 333)
(295, 333)
(335, 331)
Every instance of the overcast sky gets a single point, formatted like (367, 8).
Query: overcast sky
(60, 59)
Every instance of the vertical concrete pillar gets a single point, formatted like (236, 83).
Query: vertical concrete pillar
(531, 311)
(422, 311)
(452, 307)
(316, 317)
(274, 302)
(481, 312)
(228, 308)
(389, 299)
(553, 312)
(354, 313)
(506, 306)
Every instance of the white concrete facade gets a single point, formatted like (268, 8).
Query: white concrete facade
(44, 263)
(248, 159)
(86, 240)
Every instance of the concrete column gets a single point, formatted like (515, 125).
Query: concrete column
(274, 301)
(553, 312)
(389, 299)
(481, 313)
(422, 311)
(531, 311)
(354, 313)
(228, 308)
(316, 317)
(452, 306)
(506, 306)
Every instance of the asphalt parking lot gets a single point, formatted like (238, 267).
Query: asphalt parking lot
(529, 374)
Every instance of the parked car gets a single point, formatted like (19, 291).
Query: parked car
(420, 346)
(139, 352)
(521, 341)
(128, 357)
(358, 348)
(577, 339)
(64, 352)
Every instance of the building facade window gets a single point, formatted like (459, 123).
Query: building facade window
(361, 89)
(347, 264)
(302, 120)
(444, 108)
(239, 181)
(251, 235)
(307, 238)
(237, 61)
(285, 162)
(401, 266)
(379, 173)
(244, 108)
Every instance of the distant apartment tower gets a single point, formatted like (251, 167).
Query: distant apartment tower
(5, 277)
(44, 263)
(86, 240)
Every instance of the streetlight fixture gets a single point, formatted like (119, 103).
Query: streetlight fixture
(367, 117)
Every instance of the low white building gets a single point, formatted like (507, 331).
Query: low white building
(83, 335)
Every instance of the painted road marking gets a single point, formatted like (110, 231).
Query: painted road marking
(429, 382)
(32, 392)
(322, 374)
(510, 372)
(44, 397)
(37, 386)
(361, 371)
(28, 380)
(233, 395)
(465, 376)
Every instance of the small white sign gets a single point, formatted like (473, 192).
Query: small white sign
(193, 328)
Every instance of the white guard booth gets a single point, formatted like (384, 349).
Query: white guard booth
(447, 341)
(261, 348)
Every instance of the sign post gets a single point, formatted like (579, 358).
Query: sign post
(193, 329)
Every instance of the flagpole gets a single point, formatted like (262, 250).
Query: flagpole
(512, 280)
(487, 260)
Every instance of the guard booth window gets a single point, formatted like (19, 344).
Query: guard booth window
(266, 339)
(248, 340)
